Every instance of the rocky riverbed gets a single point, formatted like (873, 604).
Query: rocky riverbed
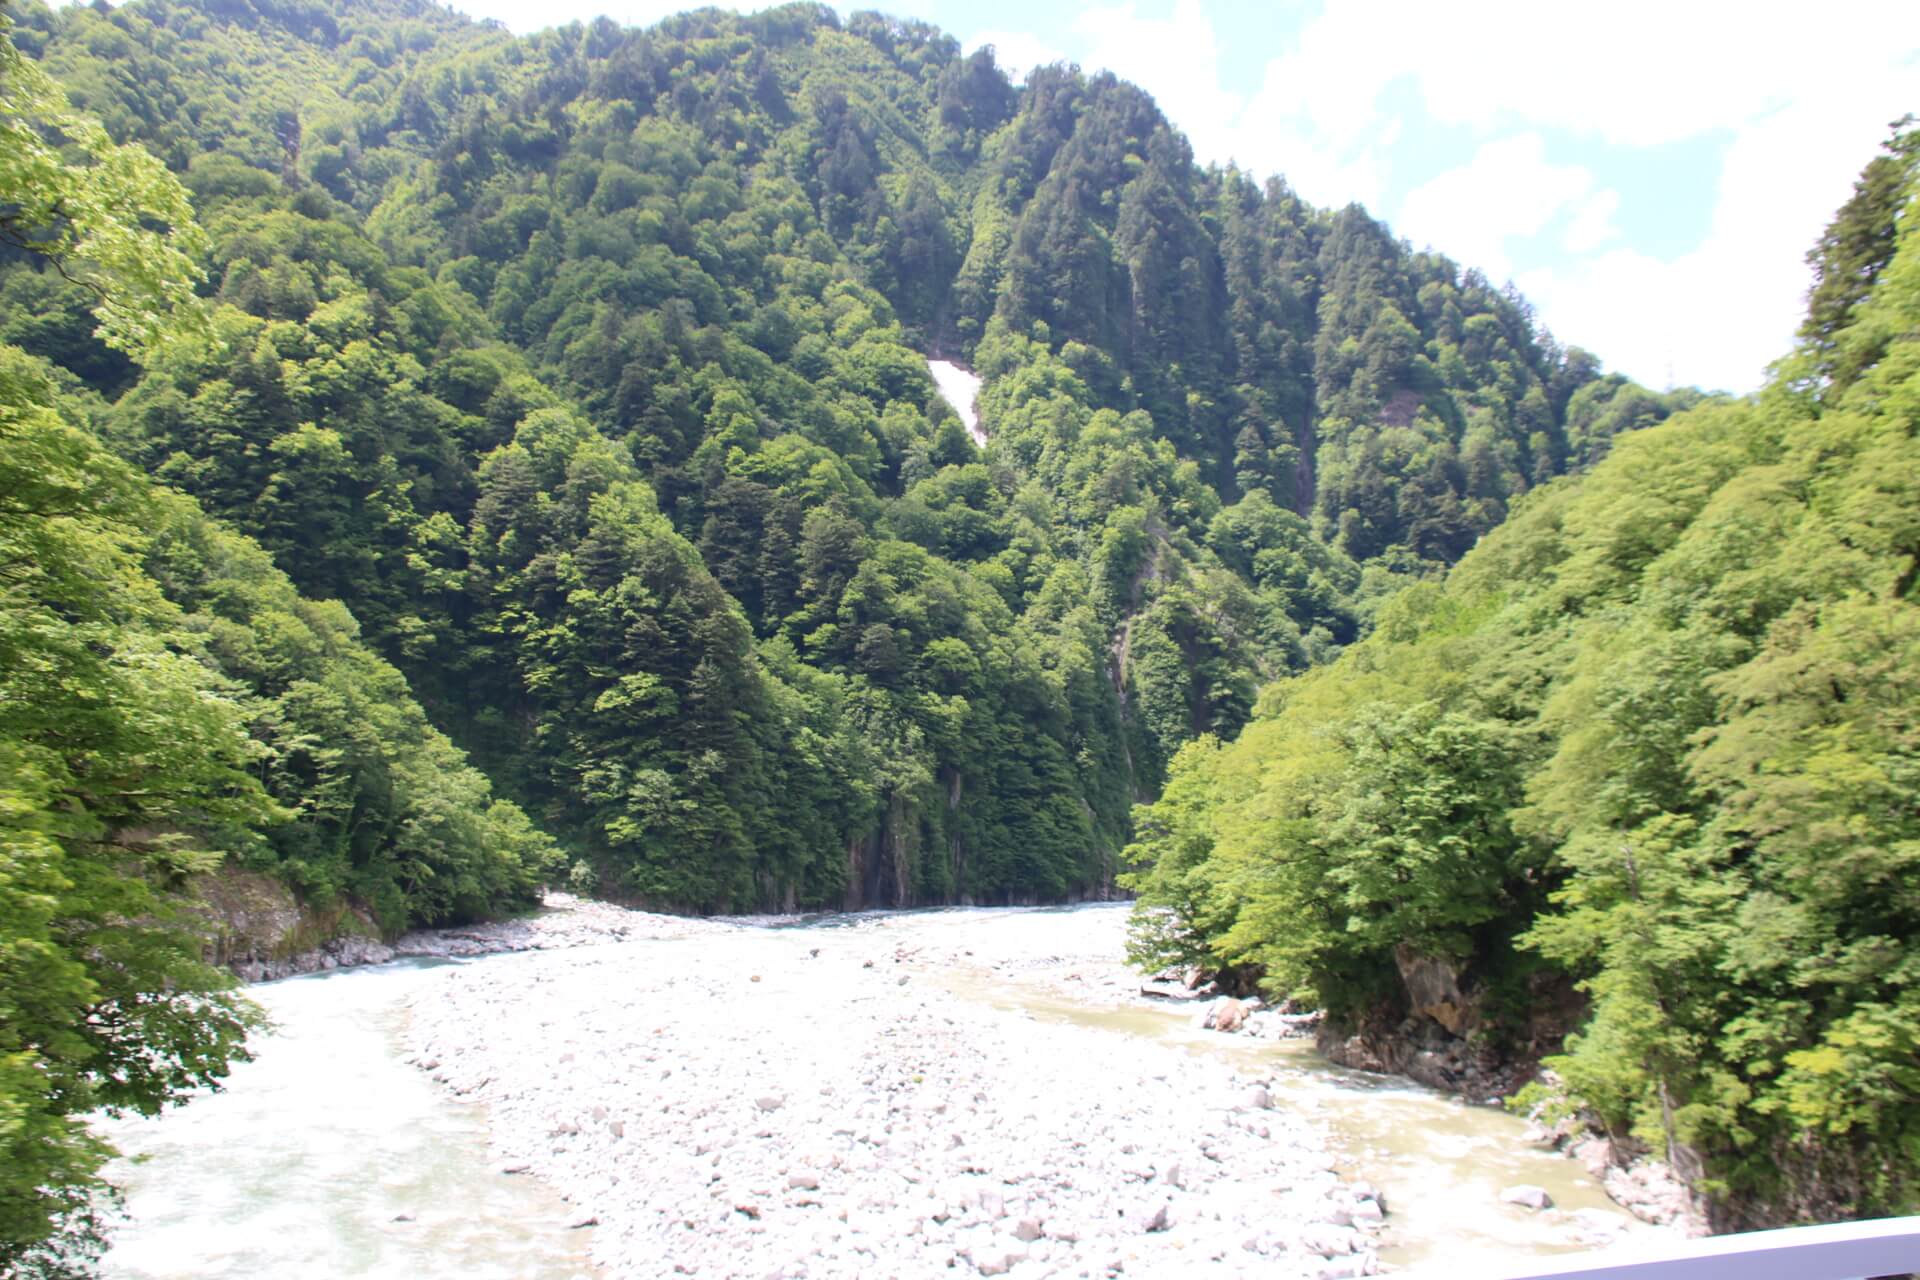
(949, 1093)
(944, 1093)
(811, 1102)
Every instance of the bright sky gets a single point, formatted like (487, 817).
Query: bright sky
(1651, 173)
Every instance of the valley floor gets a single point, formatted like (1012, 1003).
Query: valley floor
(948, 1093)
(736, 1100)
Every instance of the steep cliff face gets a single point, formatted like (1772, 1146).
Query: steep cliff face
(255, 926)
(1446, 1028)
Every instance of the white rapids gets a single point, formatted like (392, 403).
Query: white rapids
(329, 1155)
(961, 389)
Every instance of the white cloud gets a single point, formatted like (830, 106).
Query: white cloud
(1281, 132)
(1640, 73)
(525, 16)
(1176, 59)
(1636, 73)
(1509, 189)
(1017, 52)
(1716, 316)
(1591, 226)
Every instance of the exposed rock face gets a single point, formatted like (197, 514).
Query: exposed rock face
(1433, 990)
(256, 927)
(342, 952)
(1438, 1034)
(1437, 1038)
(1423, 1050)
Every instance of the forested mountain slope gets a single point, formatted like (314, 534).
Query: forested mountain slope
(586, 369)
(559, 404)
(168, 703)
(1659, 735)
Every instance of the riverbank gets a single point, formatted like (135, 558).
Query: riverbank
(816, 1102)
(327, 1156)
(256, 924)
(1076, 966)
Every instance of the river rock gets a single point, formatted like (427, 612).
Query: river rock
(1353, 1051)
(1327, 1240)
(1528, 1196)
(1596, 1154)
(1598, 1228)
(1648, 1190)
(1358, 1264)
(1360, 1189)
(999, 1258)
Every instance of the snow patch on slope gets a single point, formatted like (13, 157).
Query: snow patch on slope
(959, 388)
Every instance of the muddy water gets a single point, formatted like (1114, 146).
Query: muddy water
(1440, 1162)
(330, 1156)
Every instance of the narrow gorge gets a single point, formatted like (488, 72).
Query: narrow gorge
(757, 613)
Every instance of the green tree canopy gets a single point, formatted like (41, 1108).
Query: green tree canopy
(1655, 736)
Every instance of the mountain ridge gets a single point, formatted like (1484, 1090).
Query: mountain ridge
(698, 265)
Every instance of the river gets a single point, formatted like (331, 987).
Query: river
(331, 1155)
